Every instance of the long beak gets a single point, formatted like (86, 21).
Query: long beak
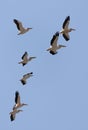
(26, 104)
(21, 110)
(64, 46)
(74, 29)
(33, 57)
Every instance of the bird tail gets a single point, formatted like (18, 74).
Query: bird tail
(20, 62)
(48, 49)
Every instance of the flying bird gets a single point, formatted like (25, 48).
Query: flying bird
(53, 44)
(13, 114)
(18, 103)
(65, 29)
(25, 77)
(20, 27)
(26, 59)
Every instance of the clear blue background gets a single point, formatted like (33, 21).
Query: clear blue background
(57, 94)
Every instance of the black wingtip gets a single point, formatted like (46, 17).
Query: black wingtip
(65, 37)
(24, 54)
(17, 93)
(16, 96)
(68, 17)
(65, 21)
(17, 23)
(11, 117)
(23, 64)
(23, 82)
(52, 52)
(31, 72)
(57, 33)
(15, 20)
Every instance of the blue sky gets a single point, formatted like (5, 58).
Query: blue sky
(57, 94)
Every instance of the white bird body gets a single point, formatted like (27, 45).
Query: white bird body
(13, 114)
(18, 103)
(25, 77)
(65, 29)
(26, 59)
(53, 45)
(20, 27)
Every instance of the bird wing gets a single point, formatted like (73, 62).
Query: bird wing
(18, 24)
(66, 22)
(66, 36)
(17, 98)
(52, 52)
(23, 81)
(54, 39)
(25, 56)
(12, 117)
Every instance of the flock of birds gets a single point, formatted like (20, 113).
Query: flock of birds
(25, 59)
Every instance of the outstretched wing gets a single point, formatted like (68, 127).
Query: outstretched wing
(52, 52)
(66, 36)
(23, 81)
(54, 39)
(18, 24)
(12, 117)
(25, 55)
(17, 97)
(66, 22)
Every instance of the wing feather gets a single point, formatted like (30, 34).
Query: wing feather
(66, 22)
(66, 36)
(18, 24)
(25, 55)
(54, 39)
(17, 98)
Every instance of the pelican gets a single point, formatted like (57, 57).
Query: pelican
(13, 114)
(53, 44)
(20, 27)
(25, 77)
(65, 31)
(18, 104)
(25, 59)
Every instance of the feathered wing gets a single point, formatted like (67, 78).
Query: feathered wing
(66, 36)
(12, 117)
(25, 56)
(17, 98)
(66, 22)
(52, 52)
(54, 39)
(18, 24)
(23, 81)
